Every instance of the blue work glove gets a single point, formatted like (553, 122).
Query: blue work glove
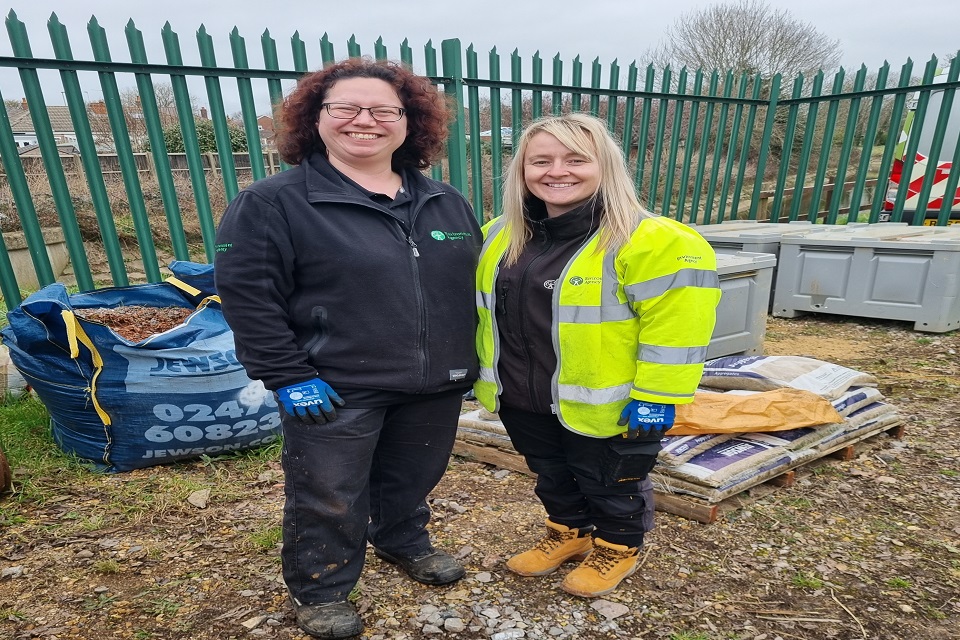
(646, 416)
(310, 402)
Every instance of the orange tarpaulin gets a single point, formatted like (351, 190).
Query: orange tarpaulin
(776, 410)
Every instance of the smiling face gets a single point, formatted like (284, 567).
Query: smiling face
(361, 141)
(562, 178)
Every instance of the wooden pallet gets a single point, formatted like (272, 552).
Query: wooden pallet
(692, 507)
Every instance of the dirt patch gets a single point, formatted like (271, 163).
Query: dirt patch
(864, 548)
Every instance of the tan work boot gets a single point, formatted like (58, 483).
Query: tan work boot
(559, 545)
(603, 570)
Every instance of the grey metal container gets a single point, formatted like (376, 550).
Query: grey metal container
(745, 281)
(888, 270)
(756, 237)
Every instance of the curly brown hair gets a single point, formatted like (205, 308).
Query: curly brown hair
(425, 109)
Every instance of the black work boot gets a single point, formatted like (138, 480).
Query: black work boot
(432, 567)
(330, 620)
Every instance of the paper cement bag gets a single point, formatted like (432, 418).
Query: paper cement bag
(763, 373)
(776, 410)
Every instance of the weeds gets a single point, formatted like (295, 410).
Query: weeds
(31, 452)
(42, 472)
(9, 613)
(107, 566)
(796, 503)
(266, 539)
(805, 581)
(933, 613)
(899, 583)
(162, 607)
(102, 600)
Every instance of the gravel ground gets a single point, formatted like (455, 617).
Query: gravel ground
(864, 548)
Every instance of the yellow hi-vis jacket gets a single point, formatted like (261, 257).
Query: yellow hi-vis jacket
(634, 324)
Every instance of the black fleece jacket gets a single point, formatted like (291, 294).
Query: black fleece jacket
(319, 280)
(525, 303)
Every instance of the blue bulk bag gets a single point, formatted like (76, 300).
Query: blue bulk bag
(196, 274)
(122, 405)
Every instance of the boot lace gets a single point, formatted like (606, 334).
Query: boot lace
(603, 559)
(554, 539)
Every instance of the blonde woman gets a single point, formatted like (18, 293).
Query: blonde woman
(595, 316)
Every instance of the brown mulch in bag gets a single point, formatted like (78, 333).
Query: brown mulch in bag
(135, 322)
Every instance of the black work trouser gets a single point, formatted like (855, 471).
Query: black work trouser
(364, 476)
(569, 481)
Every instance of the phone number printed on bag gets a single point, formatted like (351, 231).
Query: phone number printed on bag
(221, 429)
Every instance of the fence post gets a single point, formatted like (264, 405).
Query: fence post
(88, 154)
(124, 150)
(191, 147)
(765, 146)
(212, 162)
(228, 172)
(27, 213)
(453, 86)
(50, 156)
(158, 160)
(247, 106)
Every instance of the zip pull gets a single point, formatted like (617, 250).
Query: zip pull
(413, 245)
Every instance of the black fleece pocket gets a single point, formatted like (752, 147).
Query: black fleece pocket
(628, 460)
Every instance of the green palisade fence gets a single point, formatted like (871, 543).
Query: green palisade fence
(703, 145)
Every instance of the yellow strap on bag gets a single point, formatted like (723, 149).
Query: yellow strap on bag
(188, 289)
(75, 337)
(777, 410)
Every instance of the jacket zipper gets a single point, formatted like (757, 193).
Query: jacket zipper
(418, 289)
(526, 343)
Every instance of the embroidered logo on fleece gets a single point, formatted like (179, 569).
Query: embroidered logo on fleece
(450, 235)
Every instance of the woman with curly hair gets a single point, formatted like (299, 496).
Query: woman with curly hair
(348, 283)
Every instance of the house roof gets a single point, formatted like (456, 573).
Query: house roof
(21, 122)
(64, 150)
(16, 115)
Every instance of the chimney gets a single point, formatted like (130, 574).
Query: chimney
(203, 113)
(99, 107)
(23, 104)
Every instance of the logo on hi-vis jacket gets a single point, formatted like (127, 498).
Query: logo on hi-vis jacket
(576, 281)
(436, 234)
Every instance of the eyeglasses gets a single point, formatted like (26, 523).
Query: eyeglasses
(347, 111)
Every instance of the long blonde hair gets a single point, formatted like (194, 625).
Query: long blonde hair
(620, 209)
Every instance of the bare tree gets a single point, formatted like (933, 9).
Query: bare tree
(130, 102)
(748, 36)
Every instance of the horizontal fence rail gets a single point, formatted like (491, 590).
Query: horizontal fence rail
(148, 172)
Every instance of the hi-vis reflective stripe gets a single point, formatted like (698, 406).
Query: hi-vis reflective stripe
(595, 315)
(487, 374)
(485, 300)
(586, 395)
(671, 355)
(682, 278)
(610, 309)
(491, 232)
(663, 393)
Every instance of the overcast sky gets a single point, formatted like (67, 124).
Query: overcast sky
(869, 31)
